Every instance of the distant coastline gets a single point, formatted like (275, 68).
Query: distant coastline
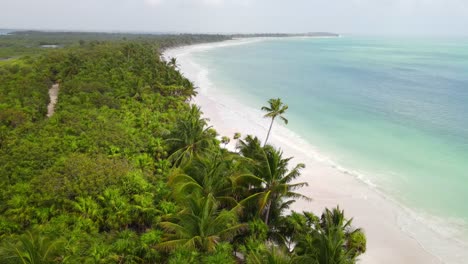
(279, 35)
(4, 32)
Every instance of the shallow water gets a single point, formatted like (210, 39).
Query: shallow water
(393, 110)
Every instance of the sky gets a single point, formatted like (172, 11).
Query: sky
(393, 17)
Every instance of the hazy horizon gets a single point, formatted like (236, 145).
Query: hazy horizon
(354, 17)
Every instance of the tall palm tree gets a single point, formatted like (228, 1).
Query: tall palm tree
(200, 225)
(274, 110)
(276, 184)
(278, 181)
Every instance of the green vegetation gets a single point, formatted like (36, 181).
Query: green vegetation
(32, 42)
(128, 171)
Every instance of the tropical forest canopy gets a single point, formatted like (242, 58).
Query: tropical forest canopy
(127, 170)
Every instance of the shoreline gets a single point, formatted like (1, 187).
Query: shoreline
(329, 184)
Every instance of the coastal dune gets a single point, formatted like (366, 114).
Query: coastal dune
(329, 185)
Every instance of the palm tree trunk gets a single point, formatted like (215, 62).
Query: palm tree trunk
(269, 130)
(267, 216)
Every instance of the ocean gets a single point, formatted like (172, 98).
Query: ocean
(5, 31)
(393, 111)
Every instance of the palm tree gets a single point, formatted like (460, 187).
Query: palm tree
(126, 247)
(210, 174)
(355, 241)
(173, 62)
(200, 225)
(31, 249)
(225, 140)
(276, 109)
(19, 209)
(116, 209)
(190, 137)
(276, 184)
(237, 135)
(289, 228)
(330, 240)
(270, 254)
(87, 208)
(218, 173)
(277, 181)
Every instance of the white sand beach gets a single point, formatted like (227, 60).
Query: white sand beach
(388, 232)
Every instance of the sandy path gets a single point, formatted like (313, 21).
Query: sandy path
(53, 94)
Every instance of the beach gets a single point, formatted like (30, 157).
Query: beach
(389, 234)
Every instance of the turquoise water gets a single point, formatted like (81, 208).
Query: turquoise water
(394, 110)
